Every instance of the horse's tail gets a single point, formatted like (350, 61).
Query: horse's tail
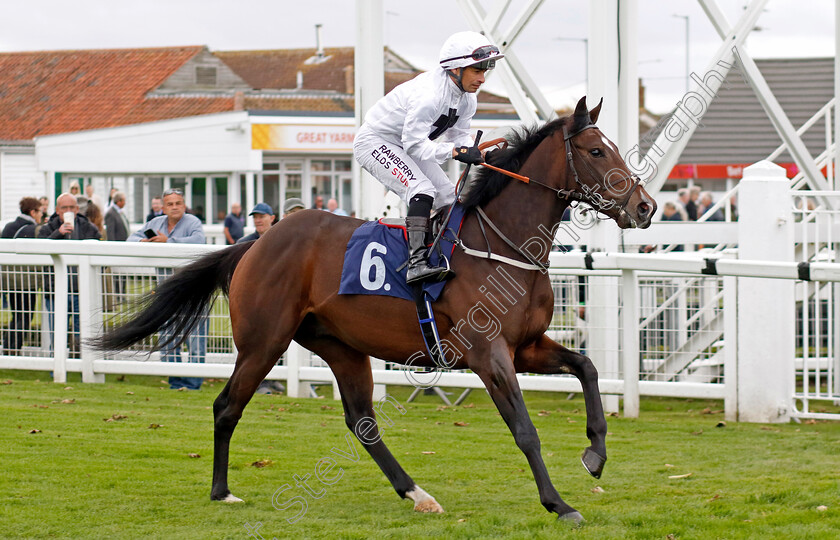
(177, 304)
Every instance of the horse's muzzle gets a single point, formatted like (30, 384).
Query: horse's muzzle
(638, 217)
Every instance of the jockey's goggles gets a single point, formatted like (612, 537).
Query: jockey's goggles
(481, 53)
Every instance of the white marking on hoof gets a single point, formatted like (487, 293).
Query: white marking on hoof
(423, 502)
(232, 499)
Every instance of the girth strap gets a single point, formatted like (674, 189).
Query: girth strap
(535, 265)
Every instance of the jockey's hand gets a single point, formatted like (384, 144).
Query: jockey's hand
(467, 154)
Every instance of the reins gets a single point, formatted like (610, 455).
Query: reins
(599, 204)
(590, 196)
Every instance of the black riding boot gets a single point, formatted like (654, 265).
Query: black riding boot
(418, 261)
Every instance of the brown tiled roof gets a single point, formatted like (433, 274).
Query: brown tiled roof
(169, 107)
(276, 69)
(51, 92)
(61, 91)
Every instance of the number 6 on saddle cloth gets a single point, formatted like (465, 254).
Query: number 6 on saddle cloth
(374, 264)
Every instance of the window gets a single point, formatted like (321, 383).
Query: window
(205, 76)
(199, 198)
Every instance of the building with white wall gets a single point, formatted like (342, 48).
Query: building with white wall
(243, 126)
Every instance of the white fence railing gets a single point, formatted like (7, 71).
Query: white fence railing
(689, 325)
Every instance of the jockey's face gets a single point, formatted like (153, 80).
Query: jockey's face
(472, 79)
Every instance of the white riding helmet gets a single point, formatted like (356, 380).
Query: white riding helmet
(465, 49)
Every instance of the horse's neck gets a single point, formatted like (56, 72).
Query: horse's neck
(527, 213)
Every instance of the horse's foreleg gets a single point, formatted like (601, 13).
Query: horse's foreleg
(227, 410)
(352, 372)
(499, 377)
(549, 357)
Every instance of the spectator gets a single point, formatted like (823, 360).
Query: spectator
(691, 205)
(78, 228)
(74, 188)
(179, 227)
(45, 208)
(67, 224)
(30, 214)
(706, 203)
(291, 206)
(319, 203)
(21, 282)
(682, 196)
(111, 195)
(198, 212)
(82, 202)
(94, 198)
(94, 215)
(116, 222)
(235, 224)
(157, 209)
(332, 207)
(116, 230)
(263, 219)
(670, 212)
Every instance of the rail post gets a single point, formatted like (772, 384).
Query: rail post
(630, 341)
(90, 303)
(59, 316)
(765, 306)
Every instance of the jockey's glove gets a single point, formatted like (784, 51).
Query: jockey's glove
(468, 154)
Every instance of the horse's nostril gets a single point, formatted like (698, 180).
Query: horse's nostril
(644, 209)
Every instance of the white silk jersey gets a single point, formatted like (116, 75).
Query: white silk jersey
(427, 116)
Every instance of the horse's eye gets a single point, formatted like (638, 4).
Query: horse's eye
(596, 152)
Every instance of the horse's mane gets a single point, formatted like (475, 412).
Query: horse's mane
(489, 183)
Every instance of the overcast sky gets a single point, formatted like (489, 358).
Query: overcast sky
(416, 30)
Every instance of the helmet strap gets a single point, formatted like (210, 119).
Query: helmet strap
(457, 78)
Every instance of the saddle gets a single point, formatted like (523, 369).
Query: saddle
(374, 263)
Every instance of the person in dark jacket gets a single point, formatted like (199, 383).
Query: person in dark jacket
(116, 222)
(77, 228)
(263, 216)
(21, 282)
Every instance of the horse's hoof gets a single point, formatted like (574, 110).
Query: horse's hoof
(423, 502)
(593, 462)
(230, 498)
(428, 507)
(573, 517)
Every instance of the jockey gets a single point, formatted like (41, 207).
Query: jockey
(408, 134)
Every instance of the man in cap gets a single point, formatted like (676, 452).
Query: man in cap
(419, 125)
(263, 219)
(292, 205)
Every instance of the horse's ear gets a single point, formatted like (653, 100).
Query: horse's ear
(580, 109)
(593, 114)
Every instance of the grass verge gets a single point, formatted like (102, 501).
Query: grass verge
(115, 460)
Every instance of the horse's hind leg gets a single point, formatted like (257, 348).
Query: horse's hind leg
(251, 369)
(352, 372)
(548, 356)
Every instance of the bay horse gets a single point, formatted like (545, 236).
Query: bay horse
(284, 287)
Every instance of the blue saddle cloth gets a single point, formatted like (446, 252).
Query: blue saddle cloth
(374, 253)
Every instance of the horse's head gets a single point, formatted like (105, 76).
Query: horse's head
(601, 176)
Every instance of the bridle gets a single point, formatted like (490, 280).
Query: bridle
(589, 195)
